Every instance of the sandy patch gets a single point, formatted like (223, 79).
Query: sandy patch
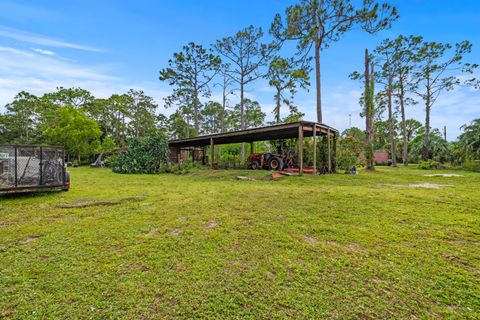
(28, 240)
(429, 185)
(211, 224)
(174, 231)
(421, 185)
(153, 232)
(443, 175)
(310, 240)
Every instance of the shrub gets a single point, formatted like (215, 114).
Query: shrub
(472, 166)
(430, 164)
(182, 168)
(144, 155)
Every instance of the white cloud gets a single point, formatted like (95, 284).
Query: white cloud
(43, 51)
(39, 73)
(42, 40)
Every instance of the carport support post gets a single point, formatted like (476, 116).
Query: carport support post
(212, 152)
(252, 150)
(300, 149)
(314, 149)
(329, 153)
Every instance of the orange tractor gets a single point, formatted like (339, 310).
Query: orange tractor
(270, 161)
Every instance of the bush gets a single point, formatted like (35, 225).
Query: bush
(183, 168)
(144, 155)
(430, 164)
(471, 166)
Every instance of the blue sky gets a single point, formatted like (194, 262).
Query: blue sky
(110, 46)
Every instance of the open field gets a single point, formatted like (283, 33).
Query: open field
(204, 245)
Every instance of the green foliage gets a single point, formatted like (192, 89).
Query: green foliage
(190, 73)
(72, 128)
(246, 54)
(286, 75)
(430, 165)
(148, 155)
(183, 168)
(349, 148)
(438, 68)
(440, 149)
(471, 166)
(469, 140)
(253, 115)
(318, 24)
(212, 117)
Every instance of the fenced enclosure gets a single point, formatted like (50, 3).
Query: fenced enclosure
(32, 167)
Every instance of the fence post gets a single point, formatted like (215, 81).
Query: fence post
(16, 170)
(40, 180)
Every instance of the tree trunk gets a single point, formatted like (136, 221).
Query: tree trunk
(404, 125)
(195, 109)
(224, 106)
(391, 129)
(277, 113)
(426, 145)
(368, 103)
(318, 81)
(242, 118)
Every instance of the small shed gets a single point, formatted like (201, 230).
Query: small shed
(381, 158)
(298, 130)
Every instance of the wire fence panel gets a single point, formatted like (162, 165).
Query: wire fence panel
(31, 166)
(7, 167)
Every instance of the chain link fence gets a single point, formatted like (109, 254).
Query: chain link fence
(31, 167)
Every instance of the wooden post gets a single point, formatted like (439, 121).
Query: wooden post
(334, 152)
(300, 149)
(193, 155)
(251, 147)
(329, 153)
(212, 152)
(314, 149)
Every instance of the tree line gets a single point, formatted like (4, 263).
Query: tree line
(408, 70)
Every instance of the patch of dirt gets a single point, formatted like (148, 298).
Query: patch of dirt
(5, 224)
(211, 224)
(154, 232)
(6, 313)
(354, 247)
(138, 266)
(421, 185)
(28, 240)
(182, 218)
(310, 240)
(460, 261)
(174, 231)
(80, 203)
(443, 175)
(429, 185)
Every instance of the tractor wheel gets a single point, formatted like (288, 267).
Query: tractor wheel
(275, 163)
(255, 165)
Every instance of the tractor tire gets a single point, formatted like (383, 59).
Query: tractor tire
(275, 163)
(255, 165)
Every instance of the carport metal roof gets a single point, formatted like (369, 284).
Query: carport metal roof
(279, 131)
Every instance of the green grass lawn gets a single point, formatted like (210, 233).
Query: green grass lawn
(204, 245)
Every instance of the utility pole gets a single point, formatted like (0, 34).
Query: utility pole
(445, 132)
(349, 120)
